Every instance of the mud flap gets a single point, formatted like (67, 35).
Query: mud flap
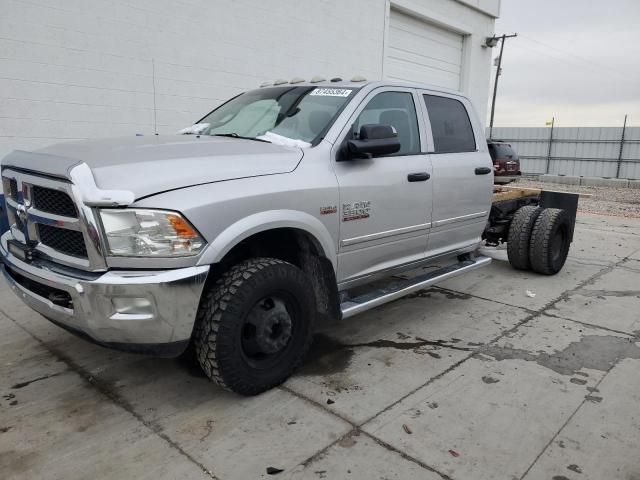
(565, 201)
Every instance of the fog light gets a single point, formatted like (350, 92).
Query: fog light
(132, 306)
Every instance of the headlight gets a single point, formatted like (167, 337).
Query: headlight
(149, 233)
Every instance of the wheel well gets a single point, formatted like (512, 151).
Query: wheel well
(299, 248)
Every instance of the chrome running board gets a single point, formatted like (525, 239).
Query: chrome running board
(399, 289)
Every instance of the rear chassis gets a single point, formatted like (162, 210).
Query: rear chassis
(507, 201)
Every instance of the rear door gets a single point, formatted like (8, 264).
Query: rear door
(462, 173)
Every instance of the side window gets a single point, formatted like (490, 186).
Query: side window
(398, 110)
(450, 124)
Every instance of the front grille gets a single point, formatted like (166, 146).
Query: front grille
(68, 242)
(52, 221)
(13, 189)
(53, 201)
(54, 295)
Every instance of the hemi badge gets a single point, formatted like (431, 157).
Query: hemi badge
(328, 210)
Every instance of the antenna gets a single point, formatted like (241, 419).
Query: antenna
(155, 111)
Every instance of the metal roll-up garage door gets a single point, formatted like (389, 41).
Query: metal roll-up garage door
(419, 51)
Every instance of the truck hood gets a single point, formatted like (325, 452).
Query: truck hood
(153, 164)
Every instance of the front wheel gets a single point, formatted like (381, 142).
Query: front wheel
(255, 325)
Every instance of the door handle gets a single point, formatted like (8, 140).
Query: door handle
(483, 170)
(418, 177)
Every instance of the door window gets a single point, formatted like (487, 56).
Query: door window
(398, 110)
(450, 124)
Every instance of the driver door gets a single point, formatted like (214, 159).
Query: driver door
(385, 202)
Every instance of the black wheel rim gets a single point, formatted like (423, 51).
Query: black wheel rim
(269, 330)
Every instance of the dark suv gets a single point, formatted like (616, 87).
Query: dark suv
(505, 161)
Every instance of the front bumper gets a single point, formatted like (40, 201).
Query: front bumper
(141, 311)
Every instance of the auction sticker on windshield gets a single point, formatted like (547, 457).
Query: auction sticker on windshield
(332, 92)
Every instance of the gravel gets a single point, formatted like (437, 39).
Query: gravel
(619, 202)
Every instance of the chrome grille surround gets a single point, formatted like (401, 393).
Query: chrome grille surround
(24, 218)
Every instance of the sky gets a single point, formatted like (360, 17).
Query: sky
(575, 60)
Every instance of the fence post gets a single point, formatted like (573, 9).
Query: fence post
(553, 121)
(624, 128)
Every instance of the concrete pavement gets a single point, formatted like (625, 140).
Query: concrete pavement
(474, 379)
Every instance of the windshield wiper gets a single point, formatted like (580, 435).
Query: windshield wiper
(235, 135)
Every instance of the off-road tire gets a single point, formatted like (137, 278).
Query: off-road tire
(519, 237)
(550, 242)
(221, 314)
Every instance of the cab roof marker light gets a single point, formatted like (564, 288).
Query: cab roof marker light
(280, 81)
(297, 80)
(358, 78)
(336, 79)
(318, 79)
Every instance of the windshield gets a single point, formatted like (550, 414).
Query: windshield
(278, 114)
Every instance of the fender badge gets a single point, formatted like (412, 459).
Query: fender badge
(328, 210)
(356, 210)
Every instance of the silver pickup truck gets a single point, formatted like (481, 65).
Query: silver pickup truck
(234, 238)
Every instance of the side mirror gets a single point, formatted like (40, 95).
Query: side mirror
(374, 140)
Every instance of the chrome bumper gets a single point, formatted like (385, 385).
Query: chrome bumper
(143, 311)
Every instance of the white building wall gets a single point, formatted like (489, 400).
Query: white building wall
(76, 69)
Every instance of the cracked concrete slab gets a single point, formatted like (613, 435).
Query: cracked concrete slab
(490, 417)
(611, 301)
(601, 440)
(215, 427)
(628, 225)
(242, 437)
(595, 245)
(55, 425)
(502, 283)
(414, 339)
(211, 424)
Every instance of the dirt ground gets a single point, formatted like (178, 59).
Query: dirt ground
(621, 202)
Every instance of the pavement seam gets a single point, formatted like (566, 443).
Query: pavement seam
(355, 430)
(325, 449)
(317, 404)
(579, 261)
(105, 390)
(562, 427)
(630, 269)
(584, 225)
(451, 290)
(406, 456)
(590, 325)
